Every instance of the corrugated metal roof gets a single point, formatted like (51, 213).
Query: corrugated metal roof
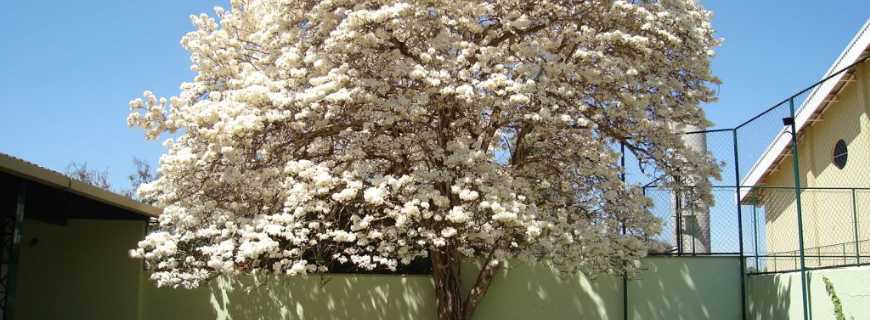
(30, 171)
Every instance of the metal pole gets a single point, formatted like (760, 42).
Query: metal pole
(755, 235)
(12, 271)
(694, 231)
(819, 252)
(855, 226)
(775, 267)
(624, 276)
(797, 195)
(845, 261)
(739, 226)
(678, 219)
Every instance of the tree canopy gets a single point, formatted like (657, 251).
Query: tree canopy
(374, 133)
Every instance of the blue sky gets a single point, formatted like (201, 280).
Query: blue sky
(70, 67)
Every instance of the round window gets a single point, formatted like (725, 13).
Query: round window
(841, 154)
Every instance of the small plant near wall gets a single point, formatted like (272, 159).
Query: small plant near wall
(835, 300)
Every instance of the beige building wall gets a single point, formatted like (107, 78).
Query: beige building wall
(827, 214)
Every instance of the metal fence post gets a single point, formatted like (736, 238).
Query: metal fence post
(739, 225)
(775, 267)
(797, 195)
(624, 276)
(855, 226)
(678, 219)
(693, 231)
(819, 253)
(845, 261)
(12, 271)
(755, 235)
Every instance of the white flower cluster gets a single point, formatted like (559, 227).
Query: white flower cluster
(318, 133)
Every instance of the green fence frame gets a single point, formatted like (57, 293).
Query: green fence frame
(788, 126)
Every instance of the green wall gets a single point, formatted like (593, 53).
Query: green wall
(677, 288)
(778, 296)
(270, 297)
(81, 271)
(669, 288)
(78, 271)
(534, 292)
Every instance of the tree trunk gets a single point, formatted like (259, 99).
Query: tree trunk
(481, 285)
(446, 271)
(448, 296)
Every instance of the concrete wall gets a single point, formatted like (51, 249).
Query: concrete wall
(534, 292)
(686, 288)
(268, 297)
(81, 271)
(778, 296)
(827, 214)
(78, 271)
(669, 288)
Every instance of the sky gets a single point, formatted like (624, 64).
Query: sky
(68, 68)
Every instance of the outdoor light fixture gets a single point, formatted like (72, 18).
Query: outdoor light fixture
(787, 121)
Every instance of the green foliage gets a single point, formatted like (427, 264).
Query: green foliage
(838, 306)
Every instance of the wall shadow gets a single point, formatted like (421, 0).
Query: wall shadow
(79, 270)
(282, 297)
(779, 296)
(671, 288)
(521, 291)
(769, 296)
(534, 291)
(686, 288)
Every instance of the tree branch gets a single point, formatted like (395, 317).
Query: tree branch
(481, 285)
(403, 48)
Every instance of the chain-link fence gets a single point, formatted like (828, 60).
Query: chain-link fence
(831, 228)
(788, 199)
(835, 226)
(695, 230)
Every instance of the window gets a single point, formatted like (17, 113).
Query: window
(841, 154)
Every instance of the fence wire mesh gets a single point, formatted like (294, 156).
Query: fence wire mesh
(684, 231)
(832, 233)
(755, 213)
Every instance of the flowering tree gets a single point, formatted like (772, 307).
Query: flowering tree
(374, 133)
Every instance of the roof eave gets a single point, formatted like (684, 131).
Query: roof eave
(32, 172)
(816, 102)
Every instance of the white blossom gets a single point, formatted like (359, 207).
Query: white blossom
(375, 134)
(458, 215)
(374, 196)
(468, 195)
(448, 232)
